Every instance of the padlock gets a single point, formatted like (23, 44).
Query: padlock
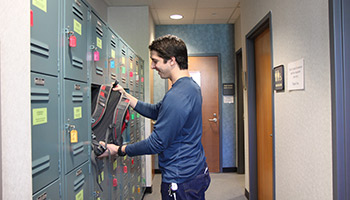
(115, 182)
(31, 18)
(72, 41)
(96, 56)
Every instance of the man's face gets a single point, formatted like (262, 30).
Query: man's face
(158, 64)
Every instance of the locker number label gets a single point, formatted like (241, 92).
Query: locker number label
(73, 136)
(77, 112)
(41, 4)
(39, 116)
(80, 195)
(77, 26)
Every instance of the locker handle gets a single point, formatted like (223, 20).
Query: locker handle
(79, 182)
(40, 164)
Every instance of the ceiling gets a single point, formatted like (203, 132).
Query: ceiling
(194, 11)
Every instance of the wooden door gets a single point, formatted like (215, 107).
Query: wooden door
(206, 68)
(264, 114)
(205, 71)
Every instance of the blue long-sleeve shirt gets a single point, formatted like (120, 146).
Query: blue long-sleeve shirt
(176, 137)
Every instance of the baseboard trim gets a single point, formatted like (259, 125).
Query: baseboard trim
(148, 190)
(246, 194)
(229, 169)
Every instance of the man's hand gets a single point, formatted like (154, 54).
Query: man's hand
(120, 89)
(112, 148)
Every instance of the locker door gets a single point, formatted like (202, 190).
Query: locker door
(45, 131)
(113, 70)
(77, 183)
(123, 64)
(49, 192)
(76, 18)
(44, 37)
(98, 42)
(76, 135)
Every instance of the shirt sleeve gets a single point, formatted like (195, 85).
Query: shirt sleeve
(171, 119)
(148, 110)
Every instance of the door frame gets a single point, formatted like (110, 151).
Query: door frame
(264, 23)
(340, 94)
(218, 55)
(240, 135)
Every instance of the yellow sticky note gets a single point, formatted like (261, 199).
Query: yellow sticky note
(130, 65)
(74, 136)
(115, 164)
(99, 179)
(113, 53)
(77, 112)
(138, 179)
(41, 4)
(102, 176)
(39, 116)
(124, 157)
(133, 189)
(80, 195)
(99, 42)
(77, 26)
(123, 60)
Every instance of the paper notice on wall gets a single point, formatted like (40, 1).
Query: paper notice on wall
(295, 75)
(228, 99)
(196, 76)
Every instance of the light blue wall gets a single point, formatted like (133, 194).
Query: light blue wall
(210, 39)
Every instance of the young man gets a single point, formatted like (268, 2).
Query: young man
(177, 133)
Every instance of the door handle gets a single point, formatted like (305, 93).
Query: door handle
(213, 120)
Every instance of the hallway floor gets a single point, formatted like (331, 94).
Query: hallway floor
(223, 186)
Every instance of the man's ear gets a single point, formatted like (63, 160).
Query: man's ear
(172, 60)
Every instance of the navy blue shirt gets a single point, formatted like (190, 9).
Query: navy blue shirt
(176, 137)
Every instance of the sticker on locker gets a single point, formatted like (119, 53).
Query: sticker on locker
(77, 112)
(41, 4)
(77, 26)
(98, 42)
(39, 116)
(80, 195)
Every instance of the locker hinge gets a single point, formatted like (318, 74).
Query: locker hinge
(59, 166)
(60, 190)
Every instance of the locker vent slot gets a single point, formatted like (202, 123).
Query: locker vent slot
(137, 62)
(99, 31)
(77, 97)
(99, 70)
(40, 164)
(113, 43)
(123, 52)
(39, 48)
(77, 12)
(113, 76)
(131, 58)
(77, 62)
(79, 182)
(40, 94)
(78, 148)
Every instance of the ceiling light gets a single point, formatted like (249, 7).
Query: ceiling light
(176, 16)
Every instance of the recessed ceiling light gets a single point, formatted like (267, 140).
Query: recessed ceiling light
(176, 16)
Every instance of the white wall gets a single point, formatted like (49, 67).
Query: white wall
(15, 119)
(303, 142)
